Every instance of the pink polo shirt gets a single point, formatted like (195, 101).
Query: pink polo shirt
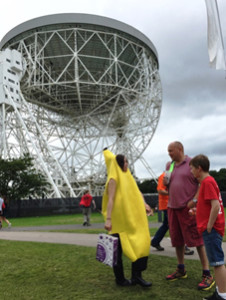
(182, 186)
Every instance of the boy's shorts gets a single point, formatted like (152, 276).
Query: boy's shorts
(183, 228)
(213, 245)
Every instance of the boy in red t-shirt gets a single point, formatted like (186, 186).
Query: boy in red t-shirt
(210, 221)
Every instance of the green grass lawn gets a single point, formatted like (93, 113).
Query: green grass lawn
(68, 220)
(52, 271)
(61, 220)
(73, 219)
(53, 220)
(64, 220)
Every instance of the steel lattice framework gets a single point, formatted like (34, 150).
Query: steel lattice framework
(85, 86)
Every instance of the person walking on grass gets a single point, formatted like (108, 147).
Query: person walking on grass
(86, 203)
(183, 188)
(210, 221)
(163, 203)
(5, 208)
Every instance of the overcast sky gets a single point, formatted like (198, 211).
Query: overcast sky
(194, 95)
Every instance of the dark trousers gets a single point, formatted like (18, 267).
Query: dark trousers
(159, 235)
(137, 267)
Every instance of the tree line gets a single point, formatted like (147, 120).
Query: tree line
(19, 179)
(150, 186)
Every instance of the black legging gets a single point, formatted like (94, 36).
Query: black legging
(137, 267)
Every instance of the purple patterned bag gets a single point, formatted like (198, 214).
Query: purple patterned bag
(107, 246)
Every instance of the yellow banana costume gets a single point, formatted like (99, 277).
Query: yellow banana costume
(128, 216)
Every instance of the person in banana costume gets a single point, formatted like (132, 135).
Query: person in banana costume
(124, 210)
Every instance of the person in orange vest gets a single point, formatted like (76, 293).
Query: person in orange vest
(86, 202)
(163, 203)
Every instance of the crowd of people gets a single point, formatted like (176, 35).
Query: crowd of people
(193, 213)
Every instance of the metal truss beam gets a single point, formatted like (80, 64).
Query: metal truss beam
(84, 90)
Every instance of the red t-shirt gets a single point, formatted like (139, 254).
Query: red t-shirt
(86, 200)
(209, 190)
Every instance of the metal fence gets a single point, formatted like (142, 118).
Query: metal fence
(56, 206)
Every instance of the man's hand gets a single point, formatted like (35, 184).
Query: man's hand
(192, 211)
(191, 204)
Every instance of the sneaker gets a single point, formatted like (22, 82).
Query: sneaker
(158, 247)
(214, 296)
(207, 283)
(177, 275)
(188, 251)
(9, 225)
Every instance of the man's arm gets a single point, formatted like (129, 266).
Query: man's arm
(163, 192)
(94, 204)
(192, 203)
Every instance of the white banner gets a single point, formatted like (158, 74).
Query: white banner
(215, 40)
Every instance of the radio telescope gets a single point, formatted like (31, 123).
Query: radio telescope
(71, 85)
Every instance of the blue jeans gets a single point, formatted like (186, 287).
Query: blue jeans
(213, 245)
(159, 235)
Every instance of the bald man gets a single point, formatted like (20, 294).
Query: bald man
(183, 189)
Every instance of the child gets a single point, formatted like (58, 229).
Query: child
(210, 222)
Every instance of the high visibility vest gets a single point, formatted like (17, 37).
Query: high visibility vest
(171, 166)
